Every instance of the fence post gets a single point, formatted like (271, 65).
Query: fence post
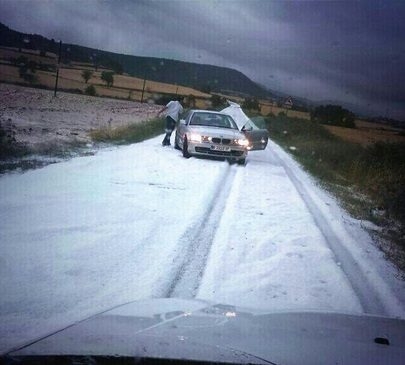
(143, 88)
(57, 69)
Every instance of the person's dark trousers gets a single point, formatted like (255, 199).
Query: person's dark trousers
(170, 124)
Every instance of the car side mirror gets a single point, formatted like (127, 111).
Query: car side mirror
(244, 129)
(182, 121)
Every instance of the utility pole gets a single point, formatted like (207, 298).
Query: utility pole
(143, 87)
(57, 68)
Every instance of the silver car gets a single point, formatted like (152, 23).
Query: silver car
(210, 133)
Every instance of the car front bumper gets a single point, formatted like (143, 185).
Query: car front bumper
(211, 149)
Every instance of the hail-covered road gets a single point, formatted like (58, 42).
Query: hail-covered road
(136, 222)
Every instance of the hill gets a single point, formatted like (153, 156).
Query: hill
(199, 76)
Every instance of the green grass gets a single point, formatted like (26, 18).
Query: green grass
(366, 180)
(131, 133)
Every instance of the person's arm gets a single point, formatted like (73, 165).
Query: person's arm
(162, 110)
(165, 107)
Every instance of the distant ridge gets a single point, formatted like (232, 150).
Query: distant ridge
(200, 76)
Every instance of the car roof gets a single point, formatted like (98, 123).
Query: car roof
(208, 111)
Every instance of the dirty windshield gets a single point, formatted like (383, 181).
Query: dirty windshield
(211, 162)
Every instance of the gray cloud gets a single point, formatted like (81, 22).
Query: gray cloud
(348, 51)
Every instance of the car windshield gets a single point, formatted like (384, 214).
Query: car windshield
(213, 120)
(243, 156)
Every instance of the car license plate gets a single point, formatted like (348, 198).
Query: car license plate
(221, 148)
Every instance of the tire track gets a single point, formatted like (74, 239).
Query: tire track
(369, 298)
(197, 241)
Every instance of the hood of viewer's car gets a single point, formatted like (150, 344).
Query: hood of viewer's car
(203, 331)
(216, 132)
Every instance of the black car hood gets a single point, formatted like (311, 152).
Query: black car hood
(203, 331)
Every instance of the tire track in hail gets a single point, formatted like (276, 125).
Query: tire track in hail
(197, 241)
(364, 290)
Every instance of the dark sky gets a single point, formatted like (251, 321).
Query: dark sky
(345, 51)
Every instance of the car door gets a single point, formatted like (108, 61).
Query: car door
(257, 138)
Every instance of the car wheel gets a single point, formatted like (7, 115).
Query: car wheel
(242, 161)
(185, 149)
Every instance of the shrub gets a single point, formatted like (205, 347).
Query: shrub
(333, 115)
(380, 170)
(9, 147)
(90, 90)
(27, 69)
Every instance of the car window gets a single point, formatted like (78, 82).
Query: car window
(213, 120)
(250, 125)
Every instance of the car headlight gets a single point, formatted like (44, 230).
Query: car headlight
(242, 142)
(194, 137)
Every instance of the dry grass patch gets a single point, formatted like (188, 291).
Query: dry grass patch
(131, 133)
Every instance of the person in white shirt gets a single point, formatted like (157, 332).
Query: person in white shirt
(172, 111)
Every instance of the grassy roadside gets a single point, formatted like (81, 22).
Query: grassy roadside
(369, 181)
(131, 133)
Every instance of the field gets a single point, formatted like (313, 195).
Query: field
(367, 133)
(124, 87)
(39, 123)
(267, 108)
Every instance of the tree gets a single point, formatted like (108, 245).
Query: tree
(190, 101)
(251, 104)
(87, 74)
(218, 102)
(333, 115)
(108, 78)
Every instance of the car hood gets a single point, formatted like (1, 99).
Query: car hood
(204, 331)
(216, 132)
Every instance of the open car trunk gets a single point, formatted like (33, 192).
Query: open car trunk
(257, 137)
